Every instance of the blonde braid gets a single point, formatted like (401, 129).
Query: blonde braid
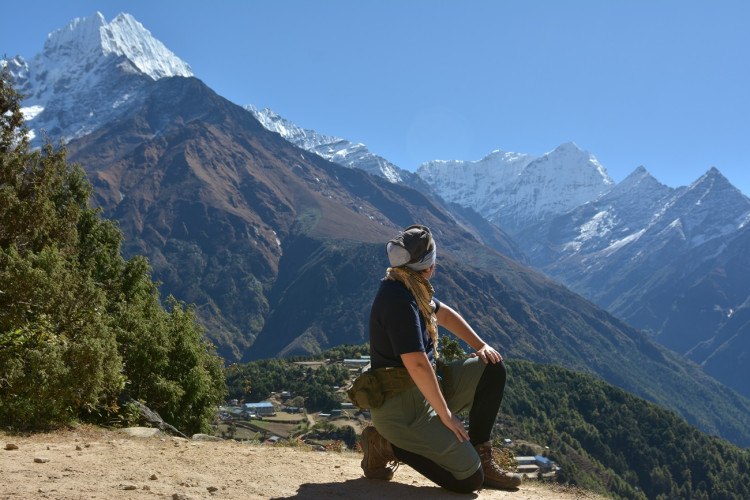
(422, 290)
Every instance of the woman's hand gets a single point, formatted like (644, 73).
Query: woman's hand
(487, 354)
(421, 372)
(454, 424)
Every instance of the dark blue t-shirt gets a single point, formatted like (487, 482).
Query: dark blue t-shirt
(396, 326)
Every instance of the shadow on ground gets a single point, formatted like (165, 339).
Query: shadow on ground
(368, 489)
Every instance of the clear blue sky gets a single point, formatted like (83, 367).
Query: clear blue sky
(659, 83)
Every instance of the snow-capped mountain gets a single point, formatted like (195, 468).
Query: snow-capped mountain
(513, 190)
(88, 72)
(633, 223)
(331, 148)
(653, 255)
(672, 262)
(604, 225)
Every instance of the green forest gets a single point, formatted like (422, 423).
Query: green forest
(255, 381)
(606, 439)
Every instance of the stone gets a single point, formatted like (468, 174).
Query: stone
(142, 432)
(205, 437)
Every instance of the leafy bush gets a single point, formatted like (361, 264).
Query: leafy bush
(80, 326)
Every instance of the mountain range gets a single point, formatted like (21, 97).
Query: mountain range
(281, 249)
(671, 262)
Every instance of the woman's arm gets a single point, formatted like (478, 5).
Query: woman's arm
(450, 319)
(421, 372)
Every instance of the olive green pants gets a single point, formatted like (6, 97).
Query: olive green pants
(408, 421)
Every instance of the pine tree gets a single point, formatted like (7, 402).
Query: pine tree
(80, 326)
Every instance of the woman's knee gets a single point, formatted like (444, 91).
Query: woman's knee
(496, 371)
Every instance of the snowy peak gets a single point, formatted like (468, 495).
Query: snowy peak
(79, 39)
(640, 181)
(126, 37)
(88, 73)
(715, 180)
(331, 148)
(570, 154)
(88, 39)
(637, 176)
(513, 190)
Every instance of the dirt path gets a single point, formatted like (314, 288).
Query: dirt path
(95, 463)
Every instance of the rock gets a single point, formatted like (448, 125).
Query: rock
(41, 460)
(11, 446)
(129, 487)
(142, 432)
(150, 417)
(205, 437)
(212, 489)
(154, 477)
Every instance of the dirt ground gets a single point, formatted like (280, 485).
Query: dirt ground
(94, 463)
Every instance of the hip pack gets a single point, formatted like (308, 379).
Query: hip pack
(373, 387)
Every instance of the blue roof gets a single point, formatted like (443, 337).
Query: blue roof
(262, 404)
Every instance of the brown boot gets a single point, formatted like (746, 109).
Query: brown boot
(379, 461)
(494, 476)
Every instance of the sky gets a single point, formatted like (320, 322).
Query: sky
(663, 84)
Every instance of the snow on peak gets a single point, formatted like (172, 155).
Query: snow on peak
(513, 190)
(570, 154)
(640, 178)
(81, 35)
(331, 148)
(87, 39)
(89, 72)
(126, 37)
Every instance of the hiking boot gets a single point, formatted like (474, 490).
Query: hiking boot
(379, 461)
(494, 476)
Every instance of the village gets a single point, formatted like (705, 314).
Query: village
(282, 419)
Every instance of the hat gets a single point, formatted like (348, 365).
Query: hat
(413, 248)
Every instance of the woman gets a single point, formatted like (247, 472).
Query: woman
(417, 424)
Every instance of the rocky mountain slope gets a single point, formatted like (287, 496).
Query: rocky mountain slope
(348, 154)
